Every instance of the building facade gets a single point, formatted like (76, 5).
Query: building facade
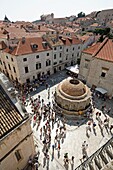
(105, 16)
(97, 65)
(27, 60)
(30, 58)
(15, 136)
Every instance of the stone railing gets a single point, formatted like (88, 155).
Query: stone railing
(100, 158)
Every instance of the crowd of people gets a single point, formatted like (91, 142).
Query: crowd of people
(45, 119)
(28, 87)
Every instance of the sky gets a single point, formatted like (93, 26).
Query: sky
(31, 10)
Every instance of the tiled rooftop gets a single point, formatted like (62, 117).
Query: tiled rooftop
(10, 117)
(91, 49)
(105, 52)
(26, 47)
(71, 41)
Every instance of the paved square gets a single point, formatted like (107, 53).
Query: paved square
(75, 136)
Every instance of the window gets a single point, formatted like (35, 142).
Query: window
(73, 48)
(60, 55)
(48, 62)
(14, 69)
(33, 77)
(54, 56)
(60, 47)
(24, 59)
(60, 68)
(11, 59)
(54, 48)
(47, 54)
(67, 50)
(60, 61)
(18, 156)
(16, 79)
(38, 75)
(26, 70)
(37, 56)
(78, 47)
(77, 54)
(11, 77)
(86, 63)
(38, 66)
(34, 46)
(9, 66)
(73, 55)
(4, 65)
(104, 71)
(6, 56)
(103, 74)
(28, 80)
(66, 57)
(55, 63)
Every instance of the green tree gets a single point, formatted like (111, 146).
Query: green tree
(81, 14)
(102, 31)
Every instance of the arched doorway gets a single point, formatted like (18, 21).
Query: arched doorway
(55, 70)
(60, 68)
(71, 63)
(48, 72)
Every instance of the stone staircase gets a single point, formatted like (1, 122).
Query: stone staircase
(99, 159)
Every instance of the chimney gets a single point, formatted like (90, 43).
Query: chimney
(23, 40)
(39, 27)
(21, 26)
(57, 36)
(44, 43)
(70, 39)
(8, 37)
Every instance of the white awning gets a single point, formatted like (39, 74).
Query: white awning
(101, 90)
(73, 69)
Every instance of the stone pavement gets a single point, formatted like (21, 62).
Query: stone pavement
(75, 136)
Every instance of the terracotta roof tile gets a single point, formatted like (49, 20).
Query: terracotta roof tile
(9, 115)
(105, 52)
(102, 50)
(91, 49)
(26, 47)
(71, 40)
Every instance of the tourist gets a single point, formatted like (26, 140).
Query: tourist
(109, 110)
(111, 127)
(94, 127)
(44, 160)
(58, 150)
(41, 133)
(53, 147)
(88, 129)
(72, 163)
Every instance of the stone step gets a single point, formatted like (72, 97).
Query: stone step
(109, 153)
(111, 143)
(83, 168)
(97, 163)
(104, 159)
(91, 166)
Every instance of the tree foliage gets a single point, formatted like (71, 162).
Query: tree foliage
(102, 31)
(81, 14)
